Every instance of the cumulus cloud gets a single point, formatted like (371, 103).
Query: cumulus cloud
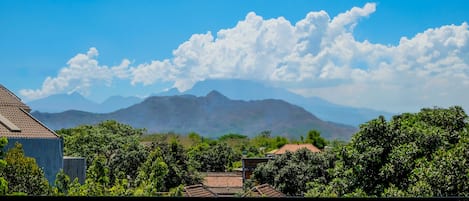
(81, 73)
(317, 55)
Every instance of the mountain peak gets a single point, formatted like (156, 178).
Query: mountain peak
(214, 94)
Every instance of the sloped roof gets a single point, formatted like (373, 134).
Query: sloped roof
(264, 190)
(16, 121)
(223, 179)
(9, 99)
(296, 147)
(224, 184)
(198, 190)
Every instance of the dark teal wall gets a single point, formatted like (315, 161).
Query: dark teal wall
(47, 152)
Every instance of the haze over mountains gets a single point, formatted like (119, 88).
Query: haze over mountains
(233, 89)
(212, 115)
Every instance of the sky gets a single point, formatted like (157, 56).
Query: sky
(396, 56)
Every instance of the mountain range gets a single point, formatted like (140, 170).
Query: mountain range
(212, 115)
(234, 89)
(75, 101)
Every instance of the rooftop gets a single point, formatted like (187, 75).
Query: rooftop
(198, 190)
(16, 121)
(294, 148)
(264, 190)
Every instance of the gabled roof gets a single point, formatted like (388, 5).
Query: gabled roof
(296, 147)
(15, 120)
(198, 190)
(264, 190)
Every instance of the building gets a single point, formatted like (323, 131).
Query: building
(39, 142)
(75, 167)
(249, 164)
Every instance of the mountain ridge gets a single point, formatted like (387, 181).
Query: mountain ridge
(211, 115)
(235, 89)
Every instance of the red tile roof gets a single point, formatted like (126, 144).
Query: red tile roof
(264, 190)
(223, 179)
(296, 147)
(198, 190)
(224, 184)
(15, 120)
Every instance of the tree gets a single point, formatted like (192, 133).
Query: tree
(152, 174)
(217, 158)
(314, 137)
(23, 174)
(118, 143)
(3, 164)
(62, 183)
(180, 168)
(291, 172)
(419, 154)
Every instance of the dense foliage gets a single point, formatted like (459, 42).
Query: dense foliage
(3, 164)
(421, 154)
(413, 154)
(23, 174)
(117, 143)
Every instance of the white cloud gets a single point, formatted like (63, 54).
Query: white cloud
(81, 73)
(314, 56)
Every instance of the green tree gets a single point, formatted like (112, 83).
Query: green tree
(152, 174)
(3, 164)
(118, 143)
(180, 168)
(217, 158)
(290, 172)
(420, 154)
(314, 137)
(97, 181)
(23, 174)
(62, 183)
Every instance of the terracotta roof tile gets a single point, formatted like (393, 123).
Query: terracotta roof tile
(7, 98)
(198, 190)
(16, 122)
(264, 190)
(296, 147)
(223, 179)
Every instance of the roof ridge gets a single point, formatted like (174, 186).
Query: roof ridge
(10, 93)
(43, 125)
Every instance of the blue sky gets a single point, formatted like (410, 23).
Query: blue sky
(390, 55)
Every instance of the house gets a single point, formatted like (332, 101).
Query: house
(39, 142)
(224, 184)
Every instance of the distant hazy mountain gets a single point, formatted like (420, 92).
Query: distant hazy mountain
(250, 90)
(114, 103)
(212, 115)
(63, 102)
(75, 101)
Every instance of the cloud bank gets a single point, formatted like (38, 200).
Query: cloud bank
(316, 56)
